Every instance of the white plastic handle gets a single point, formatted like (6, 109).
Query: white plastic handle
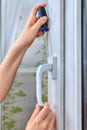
(40, 70)
(52, 67)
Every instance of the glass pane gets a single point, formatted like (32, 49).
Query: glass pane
(21, 100)
(19, 103)
(18, 14)
(84, 64)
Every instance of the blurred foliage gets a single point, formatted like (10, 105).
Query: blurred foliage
(10, 107)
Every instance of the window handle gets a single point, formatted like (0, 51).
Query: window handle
(50, 66)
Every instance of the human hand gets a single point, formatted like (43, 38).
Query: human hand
(42, 119)
(32, 28)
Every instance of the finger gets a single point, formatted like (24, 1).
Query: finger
(40, 34)
(52, 123)
(46, 105)
(39, 23)
(34, 10)
(35, 113)
(31, 21)
(34, 20)
(42, 115)
(32, 16)
(45, 123)
(48, 118)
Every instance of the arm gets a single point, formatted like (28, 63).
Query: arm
(8, 70)
(13, 59)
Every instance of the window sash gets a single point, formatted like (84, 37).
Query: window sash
(73, 111)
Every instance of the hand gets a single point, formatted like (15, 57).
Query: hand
(32, 28)
(42, 119)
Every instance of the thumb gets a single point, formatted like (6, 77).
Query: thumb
(40, 22)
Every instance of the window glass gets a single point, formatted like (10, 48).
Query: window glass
(21, 100)
(14, 16)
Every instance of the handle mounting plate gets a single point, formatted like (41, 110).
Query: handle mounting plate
(53, 61)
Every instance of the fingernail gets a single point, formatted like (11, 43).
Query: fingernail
(46, 104)
(36, 106)
(44, 18)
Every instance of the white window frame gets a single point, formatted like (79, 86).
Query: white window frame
(73, 106)
(56, 48)
(65, 91)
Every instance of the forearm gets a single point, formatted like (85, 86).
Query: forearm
(11, 62)
(8, 69)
